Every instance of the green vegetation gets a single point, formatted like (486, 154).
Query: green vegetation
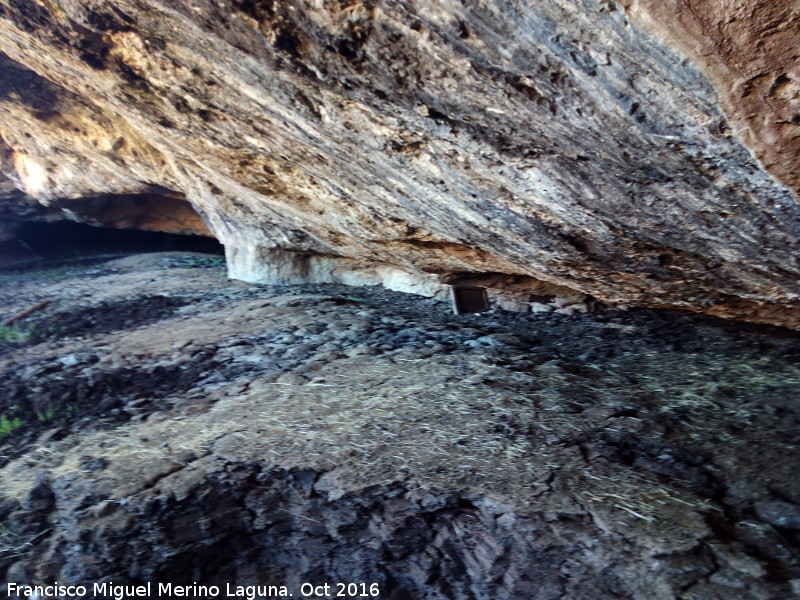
(54, 274)
(7, 426)
(46, 415)
(55, 331)
(204, 262)
(15, 333)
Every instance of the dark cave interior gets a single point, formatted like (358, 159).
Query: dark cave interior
(66, 239)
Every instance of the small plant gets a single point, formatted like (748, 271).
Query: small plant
(55, 273)
(9, 425)
(46, 415)
(15, 333)
(205, 262)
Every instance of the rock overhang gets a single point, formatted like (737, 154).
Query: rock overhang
(567, 143)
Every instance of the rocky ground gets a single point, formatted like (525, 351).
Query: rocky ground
(160, 422)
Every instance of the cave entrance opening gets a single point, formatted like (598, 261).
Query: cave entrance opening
(67, 240)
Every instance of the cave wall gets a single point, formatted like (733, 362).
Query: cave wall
(62, 158)
(749, 51)
(587, 143)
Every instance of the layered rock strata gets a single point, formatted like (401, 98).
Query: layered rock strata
(422, 141)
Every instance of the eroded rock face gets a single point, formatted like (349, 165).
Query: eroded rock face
(749, 50)
(552, 140)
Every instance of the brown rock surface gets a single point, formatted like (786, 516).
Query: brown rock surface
(554, 140)
(750, 50)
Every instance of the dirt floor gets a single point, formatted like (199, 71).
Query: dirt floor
(161, 423)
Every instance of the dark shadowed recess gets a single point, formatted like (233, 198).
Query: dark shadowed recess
(65, 239)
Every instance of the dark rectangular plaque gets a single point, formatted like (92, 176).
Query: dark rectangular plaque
(469, 299)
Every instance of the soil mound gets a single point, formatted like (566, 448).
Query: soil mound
(159, 422)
